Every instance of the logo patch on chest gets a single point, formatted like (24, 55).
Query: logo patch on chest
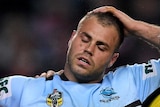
(108, 95)
(55, 99)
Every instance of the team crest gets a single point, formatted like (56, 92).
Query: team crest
(55, 99)
(108, 95)
(107, 92)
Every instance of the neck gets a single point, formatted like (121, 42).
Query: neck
(69, 76)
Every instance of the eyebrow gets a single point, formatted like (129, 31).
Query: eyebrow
(98, 42)
(86, 34)
(102, 43)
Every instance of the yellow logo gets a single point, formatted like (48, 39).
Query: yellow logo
(55, 99)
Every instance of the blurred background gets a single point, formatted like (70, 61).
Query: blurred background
(34, 33)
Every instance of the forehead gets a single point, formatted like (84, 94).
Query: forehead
(98, 31)
(94, 21)
(92, 26)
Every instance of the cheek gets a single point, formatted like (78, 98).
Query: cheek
(102, 60)
(77, 46)
(74, 49)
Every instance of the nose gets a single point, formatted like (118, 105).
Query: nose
(90, 48)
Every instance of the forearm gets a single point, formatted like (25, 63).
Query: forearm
(143, 30)
(148, 32)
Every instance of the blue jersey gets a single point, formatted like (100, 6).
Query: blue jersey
(127, 85)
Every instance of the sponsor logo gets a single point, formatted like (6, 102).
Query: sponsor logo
(5, 88)
(148, 71)
(108, 95)
(54, 99)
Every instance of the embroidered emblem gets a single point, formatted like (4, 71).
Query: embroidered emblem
(55, 99)
(108, 93)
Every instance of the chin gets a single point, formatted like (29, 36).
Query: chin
(83, 77)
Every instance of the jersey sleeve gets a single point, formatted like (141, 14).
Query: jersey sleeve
(11, 89)
(147, 77)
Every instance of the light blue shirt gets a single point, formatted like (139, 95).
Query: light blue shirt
(120, 88)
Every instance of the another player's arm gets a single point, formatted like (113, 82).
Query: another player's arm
(49, 73)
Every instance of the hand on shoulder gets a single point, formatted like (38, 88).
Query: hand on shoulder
(49, 73)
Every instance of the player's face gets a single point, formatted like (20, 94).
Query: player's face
(91, 50)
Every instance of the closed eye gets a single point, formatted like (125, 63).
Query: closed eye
(102, 46)
(85, 37)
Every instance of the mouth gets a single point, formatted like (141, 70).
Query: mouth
(84, 60)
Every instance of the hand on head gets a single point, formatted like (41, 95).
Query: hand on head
(128, 22)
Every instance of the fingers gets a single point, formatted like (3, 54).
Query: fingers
(119, 14)
(42, 75)
(37, 76)
(128, 22)
(49, 74)
(105, 9)
(59, 72)
(46, 75)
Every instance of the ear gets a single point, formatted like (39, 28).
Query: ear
(113, 59)
(73, 33)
